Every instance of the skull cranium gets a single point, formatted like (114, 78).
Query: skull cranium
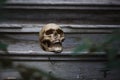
(51, 38)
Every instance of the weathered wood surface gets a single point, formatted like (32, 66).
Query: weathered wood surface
(64, 1)
(81, 20)
(75, 70)
(65, 5)
(67, 28)
(64, 12)
(61, 16)
(29, 43)
(24, 49)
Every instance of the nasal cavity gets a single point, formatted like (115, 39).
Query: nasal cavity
(55, 34)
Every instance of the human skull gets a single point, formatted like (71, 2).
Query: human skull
(51, 37)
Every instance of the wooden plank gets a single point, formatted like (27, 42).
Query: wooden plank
(67, 28)
(54, 57)
(64, 1)
(28, 25)
(10, 26)
(63, 6)
(29, 43)
(65, 16)
(74, 70)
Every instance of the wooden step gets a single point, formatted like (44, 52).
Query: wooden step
(63, 2)
(64, 11)
(69, 6)
(67, 28)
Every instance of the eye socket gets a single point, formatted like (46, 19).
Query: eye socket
(49, 32)
(59, 31)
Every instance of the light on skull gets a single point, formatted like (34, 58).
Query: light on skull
(51, 37)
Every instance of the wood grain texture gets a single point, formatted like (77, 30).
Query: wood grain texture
(67, 28)
(92, 20)
(61, 16)
(29, 43)
(64, 1)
